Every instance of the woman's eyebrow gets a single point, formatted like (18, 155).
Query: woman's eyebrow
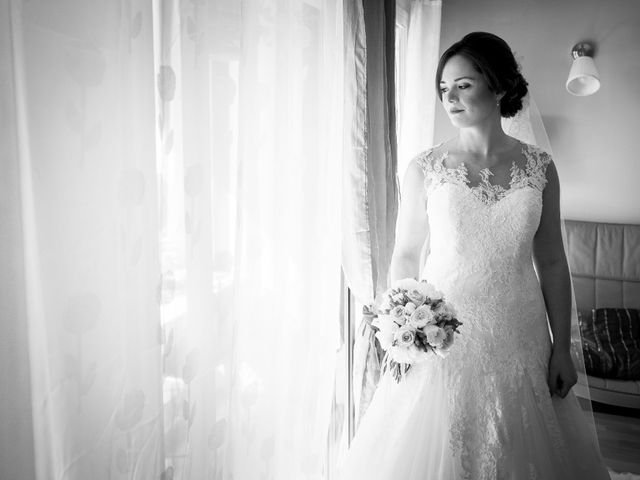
(459, 78)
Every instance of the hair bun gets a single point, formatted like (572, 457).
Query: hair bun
(511, 102)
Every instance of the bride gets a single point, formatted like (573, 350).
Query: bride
(500, 405)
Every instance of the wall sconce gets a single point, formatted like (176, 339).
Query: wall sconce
(583, 77)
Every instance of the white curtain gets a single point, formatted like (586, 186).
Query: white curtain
(417, 43)
(417, 54)
(370, 190)
(177, 172)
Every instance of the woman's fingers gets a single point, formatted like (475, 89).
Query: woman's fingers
(552, 381)
(562, 374)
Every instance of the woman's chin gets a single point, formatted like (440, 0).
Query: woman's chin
(458, 122)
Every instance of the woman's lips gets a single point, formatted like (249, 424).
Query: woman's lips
(455, 111)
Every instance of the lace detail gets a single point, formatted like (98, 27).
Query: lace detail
(481, 258)
(532, 175)
(482, 432)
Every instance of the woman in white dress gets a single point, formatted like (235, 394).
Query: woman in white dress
(500, 406)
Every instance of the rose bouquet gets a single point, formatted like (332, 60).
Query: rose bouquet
(413, 323)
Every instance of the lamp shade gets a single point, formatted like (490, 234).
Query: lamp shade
(583, 77)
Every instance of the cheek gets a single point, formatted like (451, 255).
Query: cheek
(479, 99)
(469, 96)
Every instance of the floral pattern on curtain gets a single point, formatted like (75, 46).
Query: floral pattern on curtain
(89, 226)
(179, 168)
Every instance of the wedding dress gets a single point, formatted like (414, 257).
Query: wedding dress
(484, 412)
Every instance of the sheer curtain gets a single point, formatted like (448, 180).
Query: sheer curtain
(370, 187)
(178, 172)
(417, 52)
(83, 111)
(287, 263)
(416, 37)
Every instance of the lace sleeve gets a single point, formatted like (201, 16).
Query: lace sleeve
(429, 164)
(536, 167)
(425, 161)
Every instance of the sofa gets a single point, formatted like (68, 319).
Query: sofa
(604, 259)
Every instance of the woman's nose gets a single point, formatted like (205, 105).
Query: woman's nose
(452, 96)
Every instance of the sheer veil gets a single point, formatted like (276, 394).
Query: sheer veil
(527, 126)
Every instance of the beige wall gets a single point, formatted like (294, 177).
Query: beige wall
(595, 139)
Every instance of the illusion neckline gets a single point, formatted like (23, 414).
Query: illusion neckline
(461, 172)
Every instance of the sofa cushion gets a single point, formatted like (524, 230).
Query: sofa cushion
(619, 386)
(611, 343)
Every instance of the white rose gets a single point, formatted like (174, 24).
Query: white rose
(416, 296)
(427, 329)
(405, 336)
(422, 316)
(435, 335)
(397, 298)
(409, 308)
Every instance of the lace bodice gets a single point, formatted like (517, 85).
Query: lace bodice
(481, 236)
(532, 175)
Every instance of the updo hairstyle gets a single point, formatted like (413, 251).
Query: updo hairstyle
(492, 57)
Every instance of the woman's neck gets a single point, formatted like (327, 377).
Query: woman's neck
(484, 140)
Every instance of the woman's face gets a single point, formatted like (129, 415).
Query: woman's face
(465, 94)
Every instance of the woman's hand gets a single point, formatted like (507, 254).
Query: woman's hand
(562, 373)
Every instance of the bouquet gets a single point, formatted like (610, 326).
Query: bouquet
(414, 322)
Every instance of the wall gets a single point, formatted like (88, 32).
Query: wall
(594, 139)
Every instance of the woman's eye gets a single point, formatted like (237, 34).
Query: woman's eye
(443, 89)
(464, 86)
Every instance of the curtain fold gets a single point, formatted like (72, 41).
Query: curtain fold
(17, 458)
(403, 76)
(370, 192)
(287, 267)
(192, 150)
(418, 57)
(357, 250)
(175, 172)
(370, 188)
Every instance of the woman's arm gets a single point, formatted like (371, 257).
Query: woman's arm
(412, 225)
(553, 271)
